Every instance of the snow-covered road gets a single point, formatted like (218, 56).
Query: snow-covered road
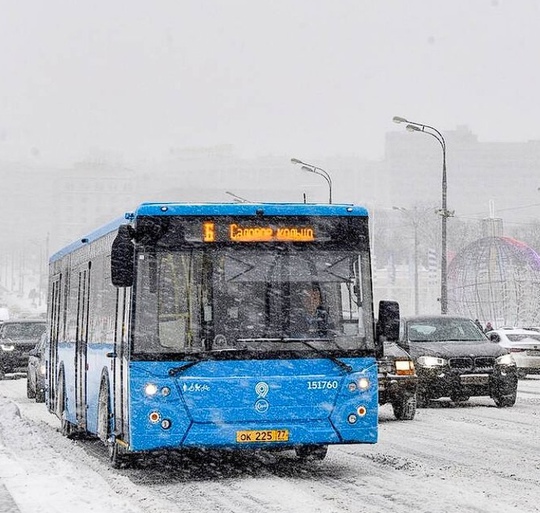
(468, 458)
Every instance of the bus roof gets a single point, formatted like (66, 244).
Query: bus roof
(215, 209)
(247, 209)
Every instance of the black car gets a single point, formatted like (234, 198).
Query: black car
(397, 381)
(35, 379)
(455, 359)
(17, 339)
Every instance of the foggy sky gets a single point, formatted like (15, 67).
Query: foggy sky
(306, 77)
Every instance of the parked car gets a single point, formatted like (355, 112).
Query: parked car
(397, 381)
(17, 339)
(35, 378)
(523, 344)
(454, 358)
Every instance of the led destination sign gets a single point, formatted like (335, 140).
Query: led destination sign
(239, 233)
(249, 233)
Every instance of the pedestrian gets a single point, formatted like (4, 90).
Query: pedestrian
(489, 327)
(479, 324)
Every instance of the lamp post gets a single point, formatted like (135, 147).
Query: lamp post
(413, 126)
(318, 171)
(414, 219)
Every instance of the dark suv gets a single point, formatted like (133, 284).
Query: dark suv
(454, 358)
(17, 339)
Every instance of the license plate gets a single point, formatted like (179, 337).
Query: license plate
(262, 435)
(474, 379)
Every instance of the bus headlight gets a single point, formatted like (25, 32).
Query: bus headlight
(363, 384)
(7, 347)
(150, 389)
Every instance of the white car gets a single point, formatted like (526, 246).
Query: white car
(523, 344)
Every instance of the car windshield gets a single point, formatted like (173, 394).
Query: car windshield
(23, 330)
(443, 330)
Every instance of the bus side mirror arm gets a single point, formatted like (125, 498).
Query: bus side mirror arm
(122, 257)
(387, 327)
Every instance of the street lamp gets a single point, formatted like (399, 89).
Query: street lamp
(237, 199)
(318, 171)
(413, 126)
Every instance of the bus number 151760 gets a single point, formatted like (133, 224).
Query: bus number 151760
(323, 384)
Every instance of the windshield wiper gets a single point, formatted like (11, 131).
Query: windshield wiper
(346, 367)
(177, 370)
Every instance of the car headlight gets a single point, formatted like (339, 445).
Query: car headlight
(404, 367)
(505, 359)
(7, 347)
(431, 361)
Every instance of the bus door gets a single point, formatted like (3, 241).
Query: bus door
(120, 362)
(54, 333)
(81, 341)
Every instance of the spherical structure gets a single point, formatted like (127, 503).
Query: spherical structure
(496, 279)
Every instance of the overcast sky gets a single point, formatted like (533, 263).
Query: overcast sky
(304, 77)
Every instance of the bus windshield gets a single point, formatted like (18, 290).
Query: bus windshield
(256, 300)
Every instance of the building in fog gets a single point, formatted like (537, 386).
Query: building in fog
(67, 203)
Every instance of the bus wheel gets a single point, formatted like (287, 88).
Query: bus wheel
(311, 452)
(66, 428)
(117, 456)
(104, 415)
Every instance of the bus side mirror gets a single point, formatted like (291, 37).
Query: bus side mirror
(122, 257)
(387, 327)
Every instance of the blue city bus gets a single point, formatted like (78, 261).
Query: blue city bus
(195, 326)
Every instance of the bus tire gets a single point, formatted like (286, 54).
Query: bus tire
(117, 456)
(66, 428)
(104, 414)
(311, 452)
